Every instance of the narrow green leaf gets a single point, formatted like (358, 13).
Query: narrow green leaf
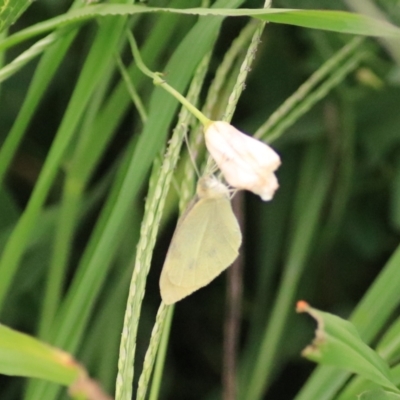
(389, 345)
(337, 343)
(10, 10)
(378, 394)
(23, 355)
(336, 21)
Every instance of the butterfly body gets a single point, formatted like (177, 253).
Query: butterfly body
(206, 241)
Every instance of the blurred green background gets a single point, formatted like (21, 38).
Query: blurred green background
(353, 133)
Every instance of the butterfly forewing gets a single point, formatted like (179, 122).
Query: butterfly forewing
(211, 247)
(205, 243)
(221, 243)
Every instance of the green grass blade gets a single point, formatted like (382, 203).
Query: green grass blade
(43, 75)
(337, 343)
(10, 11)
(378, 394)
(335, 21)
(23, 355)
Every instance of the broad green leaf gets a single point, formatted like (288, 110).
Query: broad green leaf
(10, 10)
(23, 355)
(378, 394)
(337, 343)
(337, 21)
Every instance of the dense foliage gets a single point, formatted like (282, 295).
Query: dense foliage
(325, 237)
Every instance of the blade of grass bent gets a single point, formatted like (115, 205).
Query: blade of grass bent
(335, 21)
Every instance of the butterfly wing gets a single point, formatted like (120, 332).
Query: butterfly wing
(171, 293)
(205, 243)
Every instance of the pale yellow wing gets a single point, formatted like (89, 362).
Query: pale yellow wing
(205, 243)
(171, 293)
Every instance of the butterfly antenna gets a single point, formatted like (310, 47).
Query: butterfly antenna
(191, 155)
(232, 192)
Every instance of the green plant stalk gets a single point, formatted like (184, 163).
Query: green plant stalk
(74, 186)
(305, 89)
(304, 232)
(244, 71)
(161, 355)
(315, 96)
(159, 81)
(240, 82)
(209, 166)
(10, 11)
(187, 184)
(149, 229)
(19, 62)
(334, 21)
(132, 91)
(237, 47)
(160, 330)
